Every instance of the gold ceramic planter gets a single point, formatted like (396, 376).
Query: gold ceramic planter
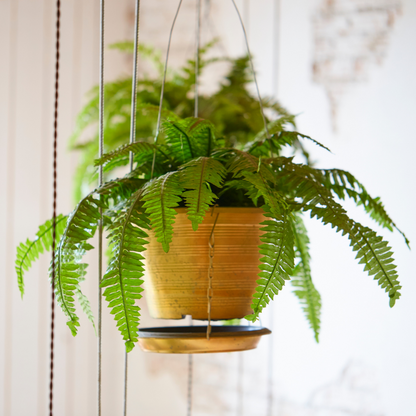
(176, 283)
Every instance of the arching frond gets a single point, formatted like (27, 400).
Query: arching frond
(123, 151)
(344, 184)
(69, 271)
(305, 290)
(162, 196)
(30, 251)
(277, 263)
(196, 177)
(372, 250)
(123, 278)
(277, 141)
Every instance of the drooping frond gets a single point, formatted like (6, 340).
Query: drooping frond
(123, 278)
(343, 183)
(69, 271)
(196, 177)
(277, 263)
(305, 290)
(162, 196)
(372, 250)
(29, 251)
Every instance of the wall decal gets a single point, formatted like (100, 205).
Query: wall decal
(350, 38)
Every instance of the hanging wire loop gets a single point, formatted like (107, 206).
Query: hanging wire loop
(134, 82)
(252, 70)
(198, 40)
(55, 174)
(162, 91)
(100, 182)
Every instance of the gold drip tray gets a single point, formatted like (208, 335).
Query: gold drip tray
(193, 339)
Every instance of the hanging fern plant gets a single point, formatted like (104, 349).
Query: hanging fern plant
(190, 167)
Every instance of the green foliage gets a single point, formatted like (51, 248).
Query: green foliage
(196, 177)
(232, 109)
(277, 263)
(343, 184)
(372, 251)
(195, 165)
(162, 196)
(30, 251)
(123, 278)
(305, 290)
(69, 271)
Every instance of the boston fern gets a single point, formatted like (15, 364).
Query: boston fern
(190, 166)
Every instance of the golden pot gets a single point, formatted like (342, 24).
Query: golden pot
(176, 283)
(193, 340)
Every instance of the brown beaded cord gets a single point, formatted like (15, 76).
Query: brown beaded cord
(55, 153)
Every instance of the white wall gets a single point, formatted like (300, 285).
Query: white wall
(374, 140)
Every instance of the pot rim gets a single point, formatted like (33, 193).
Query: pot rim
(227, 210)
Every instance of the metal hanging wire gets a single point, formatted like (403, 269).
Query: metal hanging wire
(198, 39)
(159, 115)
(100, 182)
(275, 74)
(252, 70)
(131, 159)
(55, 160)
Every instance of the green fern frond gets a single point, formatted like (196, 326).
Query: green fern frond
(372, 250)
(343, 184)
(124, 150)
(162, 196)
(202, 133)
(178, 139)
(305, 290)
(277, 141)
(69, 271)
(277, 263)
(123, 278)
(189, 138)
(376, 255)
(261, 177)
(196, 177)
(30, 251)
